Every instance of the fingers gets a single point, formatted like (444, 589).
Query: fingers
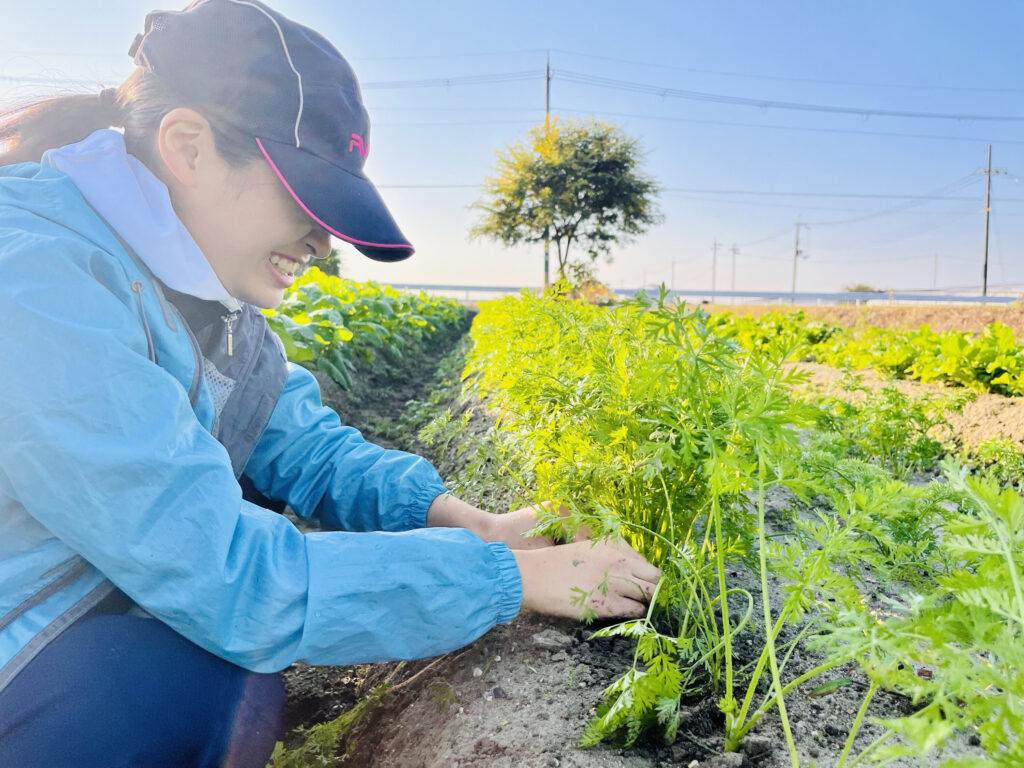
(619, 582)
(631, 583)
(612, 606)
(634, 564)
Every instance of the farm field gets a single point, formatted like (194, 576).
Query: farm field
(741, 475)
(948, 317)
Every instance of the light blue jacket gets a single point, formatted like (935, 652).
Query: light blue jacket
(109, 477)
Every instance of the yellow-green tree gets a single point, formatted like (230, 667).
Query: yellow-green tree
(577, 185)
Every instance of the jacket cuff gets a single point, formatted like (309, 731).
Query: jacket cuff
(415, 514)
(510, 583)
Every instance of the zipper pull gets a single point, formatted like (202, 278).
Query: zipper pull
(229, 321)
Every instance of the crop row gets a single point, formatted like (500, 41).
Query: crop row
(649, 422)
(328, 323)
(991, 361)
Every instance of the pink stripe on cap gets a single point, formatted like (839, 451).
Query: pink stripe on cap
(316, 218)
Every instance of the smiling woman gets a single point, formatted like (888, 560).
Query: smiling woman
(132, 561)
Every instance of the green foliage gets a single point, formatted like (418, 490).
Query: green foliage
(790, 331)
(327, 322)
(668, 427)
(904, 433)
(992, 361)
(967, 631)
(571, 183)
(1001, 460)
(321, 742)
(649, 426)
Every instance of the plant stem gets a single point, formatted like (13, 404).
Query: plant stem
(871, 748)
(857, 723)
(766, 601)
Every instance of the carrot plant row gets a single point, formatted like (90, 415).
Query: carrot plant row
(654, 423)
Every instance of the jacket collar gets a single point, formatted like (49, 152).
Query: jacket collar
(137, 205)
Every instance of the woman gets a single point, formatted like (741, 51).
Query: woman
(143, 390)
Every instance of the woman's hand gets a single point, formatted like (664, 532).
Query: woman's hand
(510, 528)
(618, 580)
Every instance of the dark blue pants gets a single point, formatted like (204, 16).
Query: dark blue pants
(118, 690)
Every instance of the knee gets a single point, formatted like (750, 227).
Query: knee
(257, 722)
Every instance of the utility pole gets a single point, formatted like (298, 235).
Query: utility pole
(714, 264)
(988, 210)
(734, 251)
(797, 253)
(547, 117)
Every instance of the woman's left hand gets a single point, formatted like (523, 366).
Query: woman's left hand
(511, 528)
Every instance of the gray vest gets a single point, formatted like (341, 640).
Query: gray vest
(244, 365)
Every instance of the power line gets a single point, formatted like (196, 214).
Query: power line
(466, 54)
(971, 89)
(445, 82)
(765, 126)
(688, 120)
(960, 183)
(859, 195)
(57, 81)
(635, 87)
(787, 206)
(449, 123)
(435, 82)
(906, 235)
(776, 236)
(427, 186)
(597, 57)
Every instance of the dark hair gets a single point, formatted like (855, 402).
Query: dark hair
(137, 105)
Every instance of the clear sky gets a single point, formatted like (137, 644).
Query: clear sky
(668, 73)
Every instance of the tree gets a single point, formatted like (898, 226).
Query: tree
(571, 184)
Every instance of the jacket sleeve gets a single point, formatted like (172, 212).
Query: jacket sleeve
(102, 447)
(325, 470)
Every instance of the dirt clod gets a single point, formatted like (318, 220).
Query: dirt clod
(551, 638)
(726, 760)
(756, 746)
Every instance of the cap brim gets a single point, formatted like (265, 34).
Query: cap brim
(345, 204)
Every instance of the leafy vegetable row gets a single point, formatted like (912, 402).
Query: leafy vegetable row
(992, 361)
(328, 322)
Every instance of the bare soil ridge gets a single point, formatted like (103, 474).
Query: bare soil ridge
(951, 317)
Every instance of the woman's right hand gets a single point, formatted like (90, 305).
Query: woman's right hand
(552, 575)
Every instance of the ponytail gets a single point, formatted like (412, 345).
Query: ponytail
(32, 129)
(137, 105)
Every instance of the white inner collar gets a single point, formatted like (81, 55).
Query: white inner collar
(137, 205)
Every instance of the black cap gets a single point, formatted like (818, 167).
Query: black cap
(297, 96)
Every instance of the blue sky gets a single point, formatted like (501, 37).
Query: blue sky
(742, 175)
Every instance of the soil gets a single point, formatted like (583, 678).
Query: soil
(988, 417)
(950, 317)
(521, 695)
